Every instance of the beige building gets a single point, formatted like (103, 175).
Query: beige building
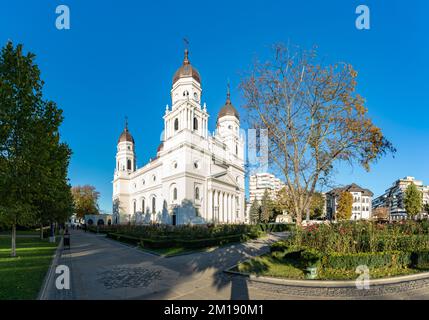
(260, 182)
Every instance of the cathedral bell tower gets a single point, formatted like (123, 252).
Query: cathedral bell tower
(228, 127)
(125, 152)
(186, 113)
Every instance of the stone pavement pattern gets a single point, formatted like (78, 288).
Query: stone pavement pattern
(104, 269)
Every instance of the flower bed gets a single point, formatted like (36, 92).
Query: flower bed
(185, 237)
(338, 249)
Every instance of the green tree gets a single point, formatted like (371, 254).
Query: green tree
(255, 212)
(317, 207)
(413, 200)
(267, 207)
(85, 200)
(426, 207)
(28, 137)
(344, 206)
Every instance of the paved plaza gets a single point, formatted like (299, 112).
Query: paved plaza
(105, 269)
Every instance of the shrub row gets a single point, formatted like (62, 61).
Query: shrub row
(349, 261)
(371, 260)
(185, 243)
(178, 232)
(276, 227)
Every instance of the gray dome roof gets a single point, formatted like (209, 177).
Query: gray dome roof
(186, 71)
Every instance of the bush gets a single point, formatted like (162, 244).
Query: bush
(371, 260)
(420, 259)
(275, 227)
(279, 246)
(363, 236)
(124, 238)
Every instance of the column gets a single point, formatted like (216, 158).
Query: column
(221, 203)
(209, 215)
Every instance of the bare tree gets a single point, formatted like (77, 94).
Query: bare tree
(314, 119)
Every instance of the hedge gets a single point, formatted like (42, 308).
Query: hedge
(161, 243)
(371, 260)
(276, 227)
(420, 259)
(401, 259)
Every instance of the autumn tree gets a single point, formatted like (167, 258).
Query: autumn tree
(317, 205)
(381, 213)
(85, 200)
(344, 206)
(314, 119)
(413, 200)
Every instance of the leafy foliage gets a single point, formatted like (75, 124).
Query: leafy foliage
(85, 200)
(413, 200)
(344, 207)
(33, 161)
(314, 119)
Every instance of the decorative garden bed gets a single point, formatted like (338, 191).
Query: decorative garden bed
(174, 240)
(343, 251)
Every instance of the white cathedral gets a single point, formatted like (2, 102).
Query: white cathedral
(196, 177)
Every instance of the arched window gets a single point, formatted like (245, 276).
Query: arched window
(236, 149)
(195, 124)
(134, 206)
(197, 193)
(153, 205)
(175, 194)
(129, 164)
(143, 205)
(176, 124)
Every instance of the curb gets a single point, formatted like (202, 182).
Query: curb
(327, 283)
(43, 294)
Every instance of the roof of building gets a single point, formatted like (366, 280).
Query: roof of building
(186, 70)
(228, 109)
(351, 188)
(126, 135)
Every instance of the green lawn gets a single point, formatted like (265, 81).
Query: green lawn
(277, 266)
(22, 277)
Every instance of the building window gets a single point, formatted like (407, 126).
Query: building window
(154, 178)
(197, 193)
(153, 205)
(144, 182)
(128, 164)
(196, 164)
(134, 207)
(176, 124)
(195, 124)
(143, 205)
(175, 194)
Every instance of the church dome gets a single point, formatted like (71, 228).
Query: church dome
(228, 109)
(126, 136)
(186, 71)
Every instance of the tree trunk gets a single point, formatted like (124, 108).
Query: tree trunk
(298, 218)
(13, 253)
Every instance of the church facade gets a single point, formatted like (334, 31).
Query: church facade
(196, 177)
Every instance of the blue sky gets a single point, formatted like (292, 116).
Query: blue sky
(119, 58)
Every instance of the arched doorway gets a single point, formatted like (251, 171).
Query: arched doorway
(90, 222)
(100, 222)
